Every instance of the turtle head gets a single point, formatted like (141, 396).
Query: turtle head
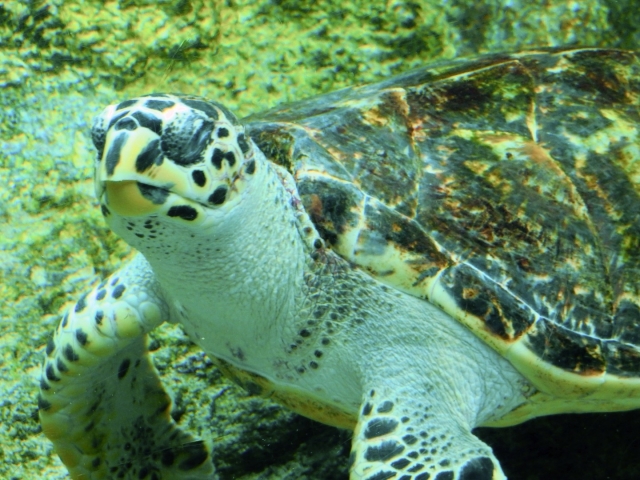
(173, 158)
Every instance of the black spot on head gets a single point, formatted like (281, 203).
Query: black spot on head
(118, 291)
(101, 294)
(216, 158)
(116, 117)
(183, 211)
(218, 196)
(479, 468)
(318, 244)
(159, 105)
(149, 121)
(199, 178)
(366, 410)
(113, 155)
(70, 354)
(81, 305)
(242, 143)
(251, 167)
(204, 107)
(150, 155)
(385, 406)
(318, 353)
(380, 426)
(313, 364)
(304, 333)
(123, 368)
(223, 132)
(81, 337)
(231, 158)
(126, 123)
(126, 103)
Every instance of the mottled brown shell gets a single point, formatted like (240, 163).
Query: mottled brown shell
(505, 190)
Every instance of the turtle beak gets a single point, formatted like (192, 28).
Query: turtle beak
(130, 198)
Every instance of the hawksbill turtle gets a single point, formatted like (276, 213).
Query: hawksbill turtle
(453, 247)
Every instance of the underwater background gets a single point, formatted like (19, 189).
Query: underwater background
(61, 62)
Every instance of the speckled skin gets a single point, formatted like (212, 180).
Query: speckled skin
(306, 281)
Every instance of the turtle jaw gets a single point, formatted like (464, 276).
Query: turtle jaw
(135, 199)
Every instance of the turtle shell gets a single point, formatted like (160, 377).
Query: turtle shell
(505, 190)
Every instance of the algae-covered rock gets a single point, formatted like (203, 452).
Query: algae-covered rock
(60, 62)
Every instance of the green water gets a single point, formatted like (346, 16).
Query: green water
(60, 62)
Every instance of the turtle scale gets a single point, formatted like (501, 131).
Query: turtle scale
(488, 179)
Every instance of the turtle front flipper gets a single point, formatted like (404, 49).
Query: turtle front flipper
(101, 401)
(399, 437)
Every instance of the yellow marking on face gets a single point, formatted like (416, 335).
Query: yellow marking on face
(125, 198)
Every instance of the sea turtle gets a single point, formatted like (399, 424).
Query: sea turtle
(453, 247)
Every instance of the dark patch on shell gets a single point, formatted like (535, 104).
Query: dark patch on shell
(566, 349)
(330, 207)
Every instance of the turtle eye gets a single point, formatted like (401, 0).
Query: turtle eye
(184, 140)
